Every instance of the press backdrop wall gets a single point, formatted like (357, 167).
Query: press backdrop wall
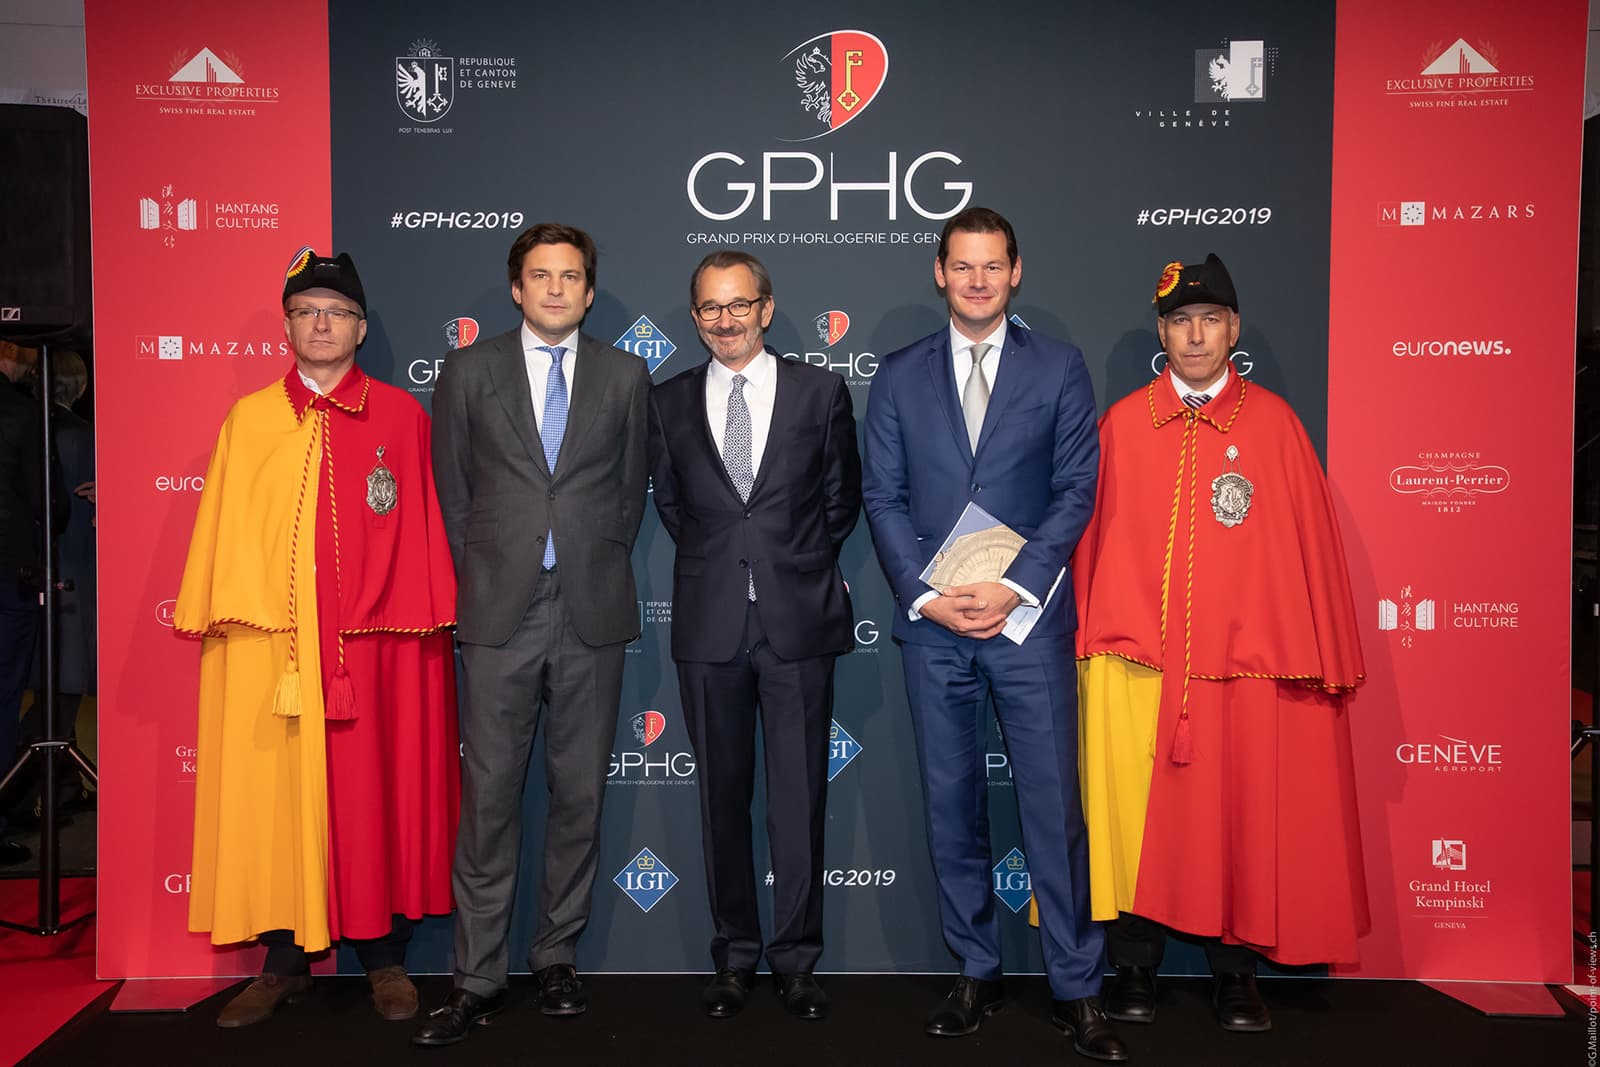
(1394, 187)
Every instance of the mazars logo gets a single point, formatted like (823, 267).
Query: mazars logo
(831, 327)
(836, 75)
(173, 346)
(1422, 212)
(1450, 755)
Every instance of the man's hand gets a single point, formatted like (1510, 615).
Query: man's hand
(978, 610)
(86, 490)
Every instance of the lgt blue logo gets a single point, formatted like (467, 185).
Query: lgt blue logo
(1011, 882)
(645, 879)
(842, 748)
(647, 342)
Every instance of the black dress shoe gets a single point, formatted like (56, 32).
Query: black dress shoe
(1130, 996)
(801, 995)
(727, 992)
(449, 1023)
(13, 853)
(1238, 1004)
(964, 1007)
(1085, 1022)
(561, 990)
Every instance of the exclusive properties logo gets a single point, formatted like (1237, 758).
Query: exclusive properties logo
(1459, 75)
(205, 82)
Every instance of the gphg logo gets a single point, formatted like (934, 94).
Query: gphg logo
(835, 75)
(795, 179)
(867, 632)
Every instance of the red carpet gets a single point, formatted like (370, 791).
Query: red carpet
(44, 981)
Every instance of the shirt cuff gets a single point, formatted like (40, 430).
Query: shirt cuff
(1028, 599)
(916, 605)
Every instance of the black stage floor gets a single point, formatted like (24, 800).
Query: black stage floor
(655, 1021)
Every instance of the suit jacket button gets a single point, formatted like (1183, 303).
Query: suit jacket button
(742, 563)
(552, 496)
(976, 488)
(747, 514)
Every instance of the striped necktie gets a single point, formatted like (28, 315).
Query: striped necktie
(1197, 400)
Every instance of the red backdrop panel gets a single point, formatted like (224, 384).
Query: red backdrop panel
(1457, 140)
(208, 145)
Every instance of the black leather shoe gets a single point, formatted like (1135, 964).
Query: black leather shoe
(727, 992)
(964, 1007)
(1085, 1022)
(801, 995)
(1238, 1004)
(449, 1023)
(13, 853)
(1130, 996)
(561, 990)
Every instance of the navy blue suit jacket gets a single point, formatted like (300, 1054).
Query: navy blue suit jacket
(1037, 461)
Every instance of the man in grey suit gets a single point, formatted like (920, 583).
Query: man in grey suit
(542, 499)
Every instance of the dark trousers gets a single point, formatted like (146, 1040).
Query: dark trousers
(286, 958)
(794, 699)
(543, 665)
(1134, 941)
(19, 634)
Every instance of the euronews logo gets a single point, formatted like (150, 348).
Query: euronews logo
(1011, 881)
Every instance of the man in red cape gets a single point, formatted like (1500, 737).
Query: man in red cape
(1217, 647)
(320, 582)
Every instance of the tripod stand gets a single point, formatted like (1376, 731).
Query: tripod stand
(51, 748)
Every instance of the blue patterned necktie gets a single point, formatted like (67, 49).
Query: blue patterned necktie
(552, 428)
(737, 449)
(1197, 400)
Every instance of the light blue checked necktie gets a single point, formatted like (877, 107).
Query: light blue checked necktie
(552, 428)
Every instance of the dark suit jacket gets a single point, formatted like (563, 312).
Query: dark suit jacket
(1035, 469)
(498, 497)
(802, 506)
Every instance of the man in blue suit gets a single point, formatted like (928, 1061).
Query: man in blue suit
(987, 412)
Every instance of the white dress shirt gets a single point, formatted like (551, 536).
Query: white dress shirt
(760, 393)
(1211, 390)
(961, 363)
(538, 364)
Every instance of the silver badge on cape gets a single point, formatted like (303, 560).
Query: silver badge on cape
(1231, 491)
(381, 494)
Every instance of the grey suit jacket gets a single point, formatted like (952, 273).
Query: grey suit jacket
(498, 496)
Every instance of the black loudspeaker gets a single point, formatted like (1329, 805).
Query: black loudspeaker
(44, 225)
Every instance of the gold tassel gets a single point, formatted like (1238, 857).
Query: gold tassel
(286, 701)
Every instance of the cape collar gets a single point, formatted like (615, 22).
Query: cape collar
(349, 396)
(1221, 412)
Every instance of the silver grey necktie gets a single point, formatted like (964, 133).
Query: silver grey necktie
(738, 446)
(975, 396)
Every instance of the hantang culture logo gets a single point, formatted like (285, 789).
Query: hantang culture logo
(424, 82)
(1407, 616)
(168, 215)
(1449, 481)
(645, 340)
(1423, 212)
(1449, 854)
(1457, 76)
(831, 327)
(205, 82)
(645, 880)
(836, 76)
(842, 748)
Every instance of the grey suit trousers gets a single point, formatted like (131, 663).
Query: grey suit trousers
(578, 686)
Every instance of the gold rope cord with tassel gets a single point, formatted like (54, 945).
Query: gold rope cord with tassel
(286, 700)
(341, 697)
(1182, 742)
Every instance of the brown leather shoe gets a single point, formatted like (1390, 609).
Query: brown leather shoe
(261, 998)
(393, 994)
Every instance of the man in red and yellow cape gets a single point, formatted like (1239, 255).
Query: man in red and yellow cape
(320, 584)
(1217, 647)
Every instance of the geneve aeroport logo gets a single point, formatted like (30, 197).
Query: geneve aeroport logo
(836, 76)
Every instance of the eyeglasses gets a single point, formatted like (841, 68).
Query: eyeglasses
(737, 308)
(336, 316)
